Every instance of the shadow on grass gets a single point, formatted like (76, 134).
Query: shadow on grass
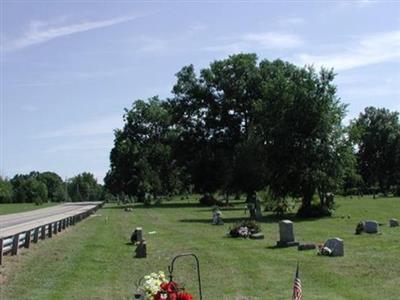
(268, 219)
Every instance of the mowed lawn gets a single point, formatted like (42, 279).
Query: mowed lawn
(10, 208)
(94, 260)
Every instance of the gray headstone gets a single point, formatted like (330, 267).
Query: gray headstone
(286, 235)
(217, 218)
(286, 231)
(371, 226)
(141, 249)
(258, 214)
(393, 223)
(336, 246)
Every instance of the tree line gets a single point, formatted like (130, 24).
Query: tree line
(38, 188)
(242, 125)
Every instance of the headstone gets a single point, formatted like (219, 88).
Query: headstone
(393, 223)
(217, 218)
(258, 214)
(286, 235)
(257, 236)
(306, 247)
(137, 235)
(360, 227)
(141, 251)
(371, 227)
(336, 246)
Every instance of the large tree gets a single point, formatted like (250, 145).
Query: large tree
(301, 122)
(215, 112)
(141, 159)
(376, 134)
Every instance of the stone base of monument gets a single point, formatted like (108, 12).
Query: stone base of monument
(306, 247)
(282, 244)
(257, 236)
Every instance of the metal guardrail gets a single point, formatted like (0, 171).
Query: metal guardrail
(11, 244)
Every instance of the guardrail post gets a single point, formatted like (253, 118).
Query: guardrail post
(67, 222)
(50, 230)
(55, 229)
(27, 239)
(64, 221)
(36, 235)
(59, 226)
(43, 233)
(1, 252)
(14, 249)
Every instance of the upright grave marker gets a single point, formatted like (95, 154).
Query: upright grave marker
(286, 234)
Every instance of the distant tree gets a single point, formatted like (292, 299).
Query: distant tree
(27, 188)
(5, 190)
(376, 134)
(56, 188)
(84, 187)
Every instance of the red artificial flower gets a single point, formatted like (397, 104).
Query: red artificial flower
(184, 296)
(169, 287)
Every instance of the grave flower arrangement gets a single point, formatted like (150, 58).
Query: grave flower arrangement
(157, 287)
(244, 229)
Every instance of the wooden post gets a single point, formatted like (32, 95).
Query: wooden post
(43, 233)
(14, 250)
(27, 239)
(50, 230)
(1, 252)
(36, 235)
(64, 221)
(67, 221)
(59, 225)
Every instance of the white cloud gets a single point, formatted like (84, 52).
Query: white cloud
(40, 32)
(104, 125)
(372, 49)
(266, 40)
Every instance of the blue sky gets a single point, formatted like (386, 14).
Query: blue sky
(68, 69)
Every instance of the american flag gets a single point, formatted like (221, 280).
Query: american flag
(297, 293)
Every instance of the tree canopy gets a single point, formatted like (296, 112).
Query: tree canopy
(238, 126)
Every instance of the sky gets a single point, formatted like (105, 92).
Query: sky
(69, 68)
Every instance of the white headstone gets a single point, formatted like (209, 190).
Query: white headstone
(336, 246)
(371, 226)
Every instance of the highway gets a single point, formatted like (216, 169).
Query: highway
(14, 223)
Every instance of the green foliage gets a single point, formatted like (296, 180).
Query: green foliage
(84, 187)
(376, 135)
(141, 160)
(5, 190)
(27, 188)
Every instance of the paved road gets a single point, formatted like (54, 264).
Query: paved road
(15, 223)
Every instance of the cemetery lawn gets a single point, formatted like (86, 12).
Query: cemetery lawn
(11, 208)
(94, 260)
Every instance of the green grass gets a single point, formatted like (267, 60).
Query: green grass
(93, 260)
(10, 208)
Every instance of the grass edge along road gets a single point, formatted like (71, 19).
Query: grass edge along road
(94, 260)
(12, 208)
